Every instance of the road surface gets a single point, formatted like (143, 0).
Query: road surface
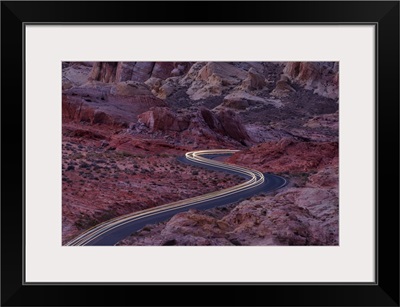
(114, 230)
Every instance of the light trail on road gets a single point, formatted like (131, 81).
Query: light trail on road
(114, 230)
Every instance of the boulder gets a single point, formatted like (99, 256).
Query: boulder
(282, 89)
(254, 81)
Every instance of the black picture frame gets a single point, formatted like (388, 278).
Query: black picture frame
(383, 14)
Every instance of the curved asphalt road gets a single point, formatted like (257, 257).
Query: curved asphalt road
(114, 230)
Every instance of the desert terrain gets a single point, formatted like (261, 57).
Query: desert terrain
(124, 124)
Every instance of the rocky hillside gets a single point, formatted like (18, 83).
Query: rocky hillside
(125, 123)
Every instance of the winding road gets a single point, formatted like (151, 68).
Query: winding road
(114, 230)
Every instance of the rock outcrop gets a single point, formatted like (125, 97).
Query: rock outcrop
(104, 72)
(212, 121)
(226, 122)
(109, 72)
(233, 126)
(75, 74)
(282, 88)
(205, 123)
(254, 81)
(213, 79)
(322, 78)
(164, 119)
(163, 88)
(120, 103)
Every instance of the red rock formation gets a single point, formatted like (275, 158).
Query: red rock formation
(164, 119)
(212, 121)
(119, 103)
(205, 123)
(288, 156)
(233, 126)
(224, 122)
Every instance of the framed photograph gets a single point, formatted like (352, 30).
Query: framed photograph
(246, 151)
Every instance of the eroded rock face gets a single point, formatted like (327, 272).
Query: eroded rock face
(97, 102)
(75, 74)
(193, 228)
(205, 123)
(233, 126)
(162, 70)
(213, 79)
(254, 81)
(164, 119)
(326, 177)
(282, 88)
(124, 71)
(104, 72)
(294, 217)
(228, 123)
(320, 77)
(163, 88)
(109, 72)
(211, 121)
